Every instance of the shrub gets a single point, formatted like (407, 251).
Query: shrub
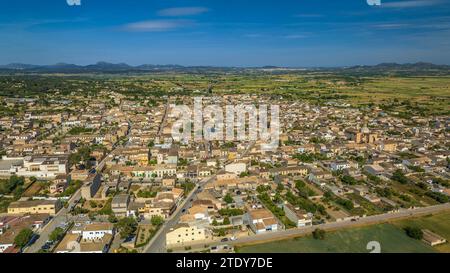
(414, 232)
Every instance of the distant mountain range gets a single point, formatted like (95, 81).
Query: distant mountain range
(104, 67)
(73, 68)
(407, 66)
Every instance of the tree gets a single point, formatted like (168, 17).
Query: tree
(187, 187)
(112, 218)
(82, 155)
(228, 199)
(93, 204)
(226, 221)
(304, 157)
(56, 234)
(280, 187)
(231, 212)
(440, 197)
(146, 194)
(244, 174)
(262, 188)
(127, 226)
(414, 232)
(347, 204)
(13, 185)
(157, 220)
(318, 234)
(384, 192)
(221, 232)
(349, 180)
(399, 177)
(23, 237)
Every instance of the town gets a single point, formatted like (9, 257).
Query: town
(100, 172)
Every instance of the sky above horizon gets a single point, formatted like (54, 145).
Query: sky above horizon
(225, 32)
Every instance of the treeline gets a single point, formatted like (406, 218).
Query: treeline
(14, 185)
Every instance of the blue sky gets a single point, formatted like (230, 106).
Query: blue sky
(225, 32)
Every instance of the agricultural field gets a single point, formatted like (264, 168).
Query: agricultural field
(438, 223)
(426, 91)
(391, 237)
(35, 188)
(396, 94)
(422, 95)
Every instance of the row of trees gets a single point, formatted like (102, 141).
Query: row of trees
(14, 185)
(400, 177)
(309, 157)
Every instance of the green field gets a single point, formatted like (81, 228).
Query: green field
(391, 239)
(439, 223)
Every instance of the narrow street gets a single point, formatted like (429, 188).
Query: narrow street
(158, 243)
(63, 215)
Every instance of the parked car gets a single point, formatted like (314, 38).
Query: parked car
(45, 247)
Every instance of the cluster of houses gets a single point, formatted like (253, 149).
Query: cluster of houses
(136, 164)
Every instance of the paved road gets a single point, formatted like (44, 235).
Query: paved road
(164, 120)
(63, 215)
(158, 242)
(369, 220)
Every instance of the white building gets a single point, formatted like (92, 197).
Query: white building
(97, 231)
(183, 234)
(339, 166)
(300, 217)
(236, 168)
(43, 166)
(262, 220)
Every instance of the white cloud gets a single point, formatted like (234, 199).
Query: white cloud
(415, 24)
(411, 4)
(309, 15)
(182, 11)
(157, 25)
(295, 36)
(391, 26)
(253, 35)
(73, 2)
